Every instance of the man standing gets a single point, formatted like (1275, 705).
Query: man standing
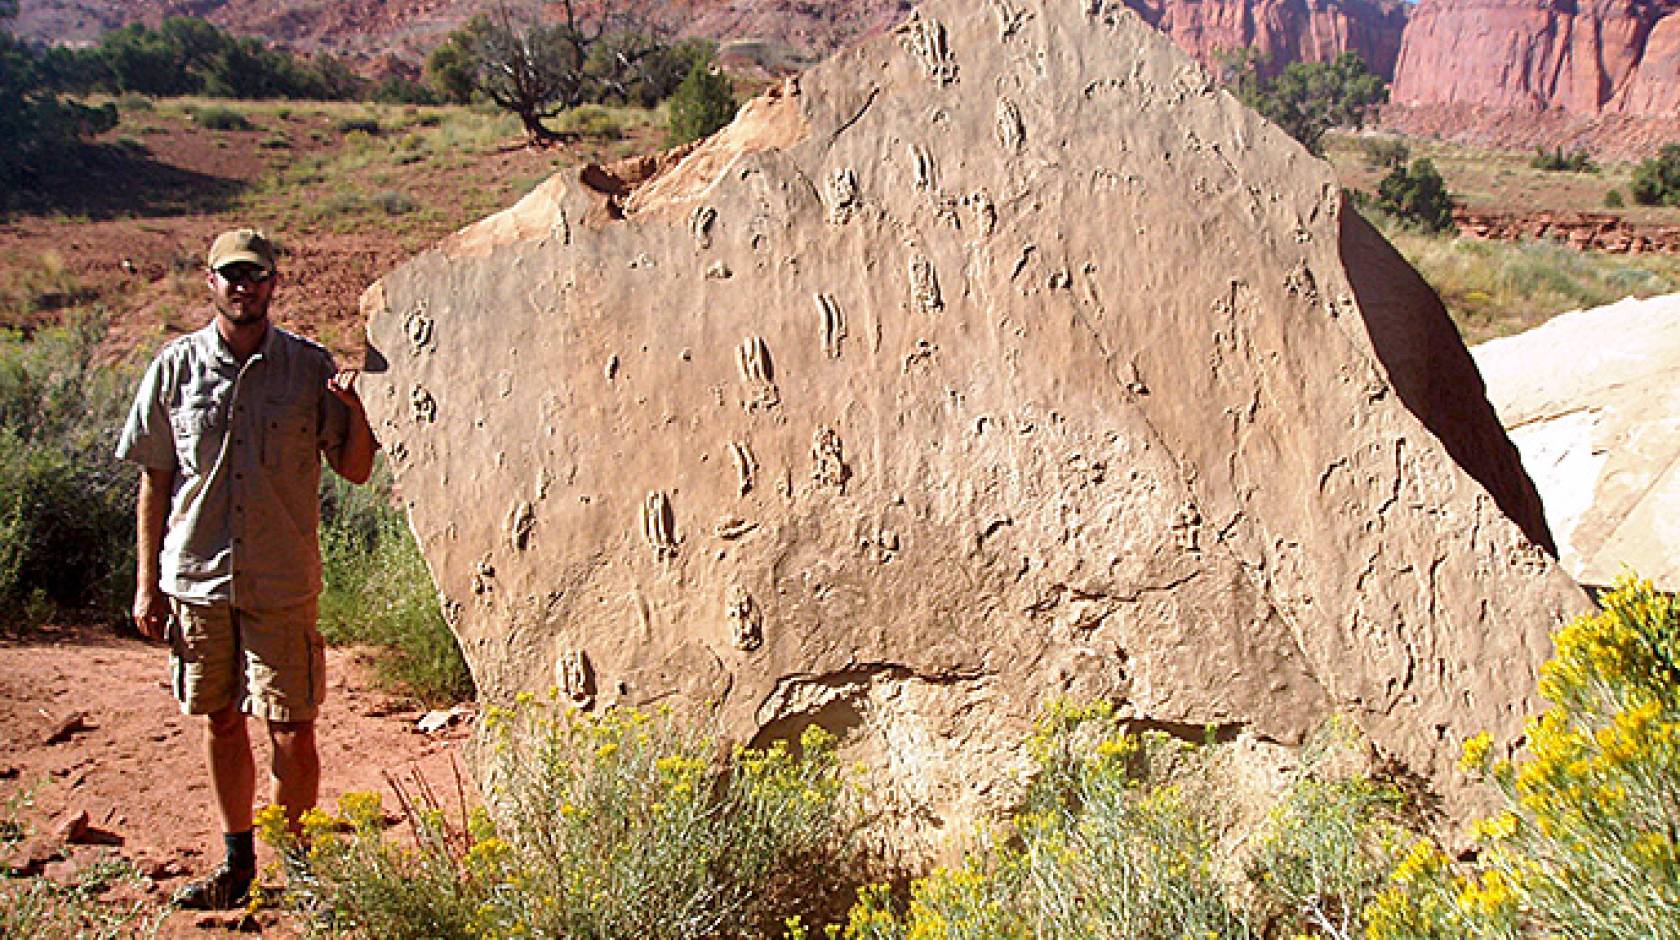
(228, 428)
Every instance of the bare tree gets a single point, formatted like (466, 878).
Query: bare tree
(538, 65)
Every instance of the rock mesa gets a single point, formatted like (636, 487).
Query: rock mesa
(1003, 358)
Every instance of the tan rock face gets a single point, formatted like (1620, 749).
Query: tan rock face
(1605, 57)
(1002, 360)
(1591, 401)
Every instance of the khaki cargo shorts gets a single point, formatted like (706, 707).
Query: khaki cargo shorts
(271, 663)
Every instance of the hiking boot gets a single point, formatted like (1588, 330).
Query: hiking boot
(223, 889)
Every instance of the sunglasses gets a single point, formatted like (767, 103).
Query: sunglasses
(243, 274)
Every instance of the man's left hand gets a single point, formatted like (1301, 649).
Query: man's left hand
(343, 387)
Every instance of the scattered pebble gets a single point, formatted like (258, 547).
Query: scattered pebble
(32, 856)
(435, 721)
(75, 827)
(67, 728)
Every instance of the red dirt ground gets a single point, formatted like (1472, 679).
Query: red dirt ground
(137, 772)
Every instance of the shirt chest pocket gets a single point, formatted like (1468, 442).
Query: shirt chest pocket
(288, 434)
(197, 427)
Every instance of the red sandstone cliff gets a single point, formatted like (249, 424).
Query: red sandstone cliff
(1283, 31)
(1596, 57)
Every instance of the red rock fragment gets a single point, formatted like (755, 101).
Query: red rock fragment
(67, 728)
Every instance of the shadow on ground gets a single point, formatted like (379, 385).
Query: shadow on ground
(117, 180)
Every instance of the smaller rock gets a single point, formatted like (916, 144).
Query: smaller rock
(65, 872)
(154, 868)
(78, 829)
(435, 721)
(75, 827)
(31, 857)
(67, 728)
(9, 772)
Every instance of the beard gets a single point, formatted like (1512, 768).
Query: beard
(251, 311)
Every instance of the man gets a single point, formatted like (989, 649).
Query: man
(228, 428)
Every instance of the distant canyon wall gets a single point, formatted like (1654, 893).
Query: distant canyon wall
(1610, 57)
(1282, 31)
(1581, 58)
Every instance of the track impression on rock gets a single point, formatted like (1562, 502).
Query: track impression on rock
(100, 763)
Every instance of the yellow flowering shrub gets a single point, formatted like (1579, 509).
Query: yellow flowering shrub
(1108, 844)
(1585, 847)
(1326, 847)
(624, 824)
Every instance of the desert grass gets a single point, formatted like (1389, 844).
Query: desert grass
(35, 906)
(1494, 289)
(1496, 180)
(379, 592)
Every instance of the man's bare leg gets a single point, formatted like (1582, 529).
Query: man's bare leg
(233, 774)
(296, 767)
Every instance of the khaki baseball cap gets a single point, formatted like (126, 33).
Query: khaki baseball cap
(242, 244)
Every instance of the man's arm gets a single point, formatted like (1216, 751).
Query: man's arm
(355, 461)
(151, 605)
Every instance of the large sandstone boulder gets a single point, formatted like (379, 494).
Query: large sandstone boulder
(1003, 359)
(1590, 399)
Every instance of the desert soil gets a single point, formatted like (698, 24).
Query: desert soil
(124, 755)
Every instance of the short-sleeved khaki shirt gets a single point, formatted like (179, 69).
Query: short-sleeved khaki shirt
(245, 442)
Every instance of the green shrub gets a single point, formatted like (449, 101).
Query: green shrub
(393, 203)
(39, 129)
(617, 826)
(359, 125)
(1307, 99)
(39, 907)
(701, 105)
(220, 118)
(1613, 199)
(396, 89)
(66, 502)
(1417, 196)
(1385, 152)
(379, 591)
(1656, 181)
(1130, 836)
(1555, 160)
(592, 120)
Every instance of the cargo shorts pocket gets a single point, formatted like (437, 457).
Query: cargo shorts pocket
(287, 664)
(205, 673)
